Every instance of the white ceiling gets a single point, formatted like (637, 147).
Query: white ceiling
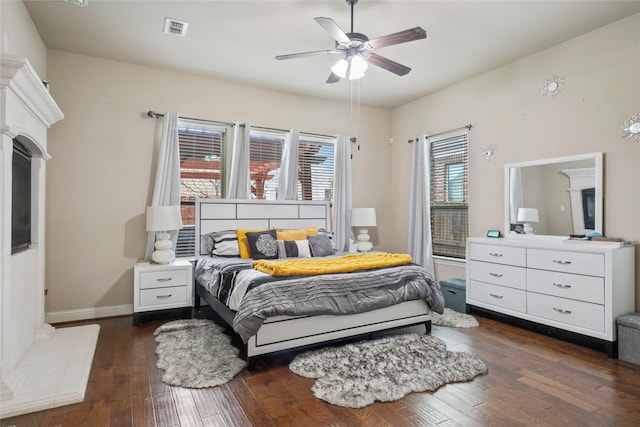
(238, 40)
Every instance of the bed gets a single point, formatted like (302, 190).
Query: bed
(236, 291)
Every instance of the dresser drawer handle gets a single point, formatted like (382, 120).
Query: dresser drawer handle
(561, 286)
(495, 274)
(559, 310)
(561, 262)
(163, 296)
(164, 279)
(497, 296)
(495, 254)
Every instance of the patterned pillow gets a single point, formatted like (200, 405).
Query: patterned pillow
(293, 249)
(321, 245)
(262, 244)
(225, 244)
(243, 243)
(291, 234)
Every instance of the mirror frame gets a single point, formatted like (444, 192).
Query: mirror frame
(599, 193)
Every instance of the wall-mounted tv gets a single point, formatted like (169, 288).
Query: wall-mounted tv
(20, 198)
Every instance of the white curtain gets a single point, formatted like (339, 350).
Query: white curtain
(420, 242)
(342, 193)
(166, 189)
(239, 180)
(288, 180)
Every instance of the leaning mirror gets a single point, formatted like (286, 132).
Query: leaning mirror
(555, 197)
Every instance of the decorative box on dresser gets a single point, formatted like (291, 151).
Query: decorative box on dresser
(569, 289)
(162, 287)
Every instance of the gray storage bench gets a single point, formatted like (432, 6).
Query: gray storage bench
(454, 291)
(629, 338)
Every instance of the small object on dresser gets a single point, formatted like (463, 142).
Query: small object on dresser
(454, 291)
(629, 338)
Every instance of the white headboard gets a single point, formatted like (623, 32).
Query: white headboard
(229, 214)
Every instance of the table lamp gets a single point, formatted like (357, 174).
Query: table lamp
(163, 219)
(363, 218)
(527, 216)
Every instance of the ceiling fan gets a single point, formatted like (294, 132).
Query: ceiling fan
(357, 49)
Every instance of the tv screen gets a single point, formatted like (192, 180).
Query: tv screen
(20, 199)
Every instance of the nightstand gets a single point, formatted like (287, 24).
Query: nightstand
(160, 287)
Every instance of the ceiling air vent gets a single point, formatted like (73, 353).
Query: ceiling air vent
(173, 26)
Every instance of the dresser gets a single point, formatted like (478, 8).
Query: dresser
(569, 289)
(162, 287)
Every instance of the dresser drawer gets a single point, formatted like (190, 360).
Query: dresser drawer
(163, 278)
(499, 296)
(567, 262)
(574, 286)
(150, 298)
(498, 274)
(571, 312)
(498, 254)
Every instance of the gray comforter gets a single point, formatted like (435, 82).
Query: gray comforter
(335, 294)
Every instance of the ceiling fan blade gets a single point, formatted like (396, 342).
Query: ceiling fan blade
(410, 35)
(388, 64)
(332, 28)
(305, 54)
(333, 78)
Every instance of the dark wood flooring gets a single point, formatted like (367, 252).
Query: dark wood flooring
(533, 380)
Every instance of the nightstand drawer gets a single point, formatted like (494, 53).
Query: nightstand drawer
(150, 298)
(164, 277)
(498, 274)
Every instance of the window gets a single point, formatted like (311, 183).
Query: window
(316, 168)
(265, 155)
(202, 160)
(449, 191)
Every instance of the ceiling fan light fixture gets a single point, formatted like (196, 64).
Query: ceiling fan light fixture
(340, 68)
(358, 67)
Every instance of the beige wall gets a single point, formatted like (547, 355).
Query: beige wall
(506, 108)
(100, 174)
(20, 36)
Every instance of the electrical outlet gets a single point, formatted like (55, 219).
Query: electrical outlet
(46, 292)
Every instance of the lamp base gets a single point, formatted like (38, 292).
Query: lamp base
(163, 253)
(364, 245)
(528, 228)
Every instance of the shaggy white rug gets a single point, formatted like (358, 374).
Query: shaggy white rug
(453, 319)
(196, 353)
(385, 369)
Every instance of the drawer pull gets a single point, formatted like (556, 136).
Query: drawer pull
(495, 274)
(561, 286)
(559, 310)
(164, 279)
(497, 296)
(495, 254)
(163, 296)
(561, 262)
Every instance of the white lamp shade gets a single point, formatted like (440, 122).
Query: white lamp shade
(527, 215)
(363, 217)
(164, 218)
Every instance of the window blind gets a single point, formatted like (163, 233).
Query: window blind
(316, 169)
(449, 195)
(265, 155)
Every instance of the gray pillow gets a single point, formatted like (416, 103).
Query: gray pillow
(262, 244)
(220, 243)
(321, 245)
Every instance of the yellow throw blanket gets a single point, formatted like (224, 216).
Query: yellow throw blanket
(343, 264)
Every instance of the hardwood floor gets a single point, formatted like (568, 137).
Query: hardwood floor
(532, 380)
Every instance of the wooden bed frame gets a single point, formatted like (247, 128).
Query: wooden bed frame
(286, 332)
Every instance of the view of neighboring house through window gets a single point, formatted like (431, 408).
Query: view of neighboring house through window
(449, 195)
(203, 161)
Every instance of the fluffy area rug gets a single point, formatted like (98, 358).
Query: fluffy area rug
(454, 319)
(385, 369)
(196, 353)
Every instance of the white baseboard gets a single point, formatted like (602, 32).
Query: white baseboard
(88, 313)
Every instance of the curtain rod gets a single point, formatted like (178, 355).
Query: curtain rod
(468, 127)
(155, 115)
